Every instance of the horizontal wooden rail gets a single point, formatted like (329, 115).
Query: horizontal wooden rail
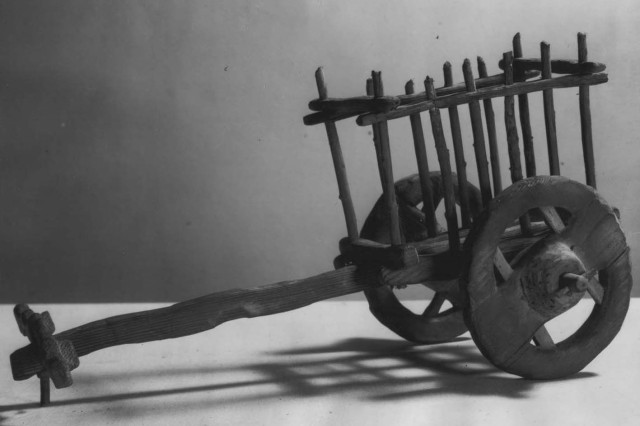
(494, 80)
(336, 109)
(486, 93)
(360, 103)
(323, 117)
(558, 66)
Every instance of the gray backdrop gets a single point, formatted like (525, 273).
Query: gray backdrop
(154, 150)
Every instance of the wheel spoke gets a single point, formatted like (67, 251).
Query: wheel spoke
(552, 218)
(595, 290)
(501, 264)
(543, 339)
(434, 307)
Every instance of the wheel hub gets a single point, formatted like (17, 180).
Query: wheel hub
(542, 279)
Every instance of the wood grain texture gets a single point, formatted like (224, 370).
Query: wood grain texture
(423, 168)
(479, 148)
(558, 66)
(585, 118)
(200, 314)
(490, 121)
(383, 152)
(513, 143)
(458, 152)
(344, 192)
(450, 213)
(362, 251)
(549, 112)
(486, 93)
(525, 121)
(451, 89)
(432, 326)
(357, 104)
(593, 235)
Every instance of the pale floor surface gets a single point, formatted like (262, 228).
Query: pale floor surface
(327, 364)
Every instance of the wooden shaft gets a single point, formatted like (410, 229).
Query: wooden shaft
(445, 168)
(338, 165)
(458, 152)
(478, 136)
(525, 121)
(490, 120)
(585, 118)
(383, 151)
(423, 168)
(486, 93)
(201, 314)
(512, 135)
(549, 112)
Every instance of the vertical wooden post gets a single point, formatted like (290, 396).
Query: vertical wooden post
(423, 168)
(478, 136)
(549, 111)
(525, 121)
(445, 169)
(338, 165)
(45, 389)
(383, 152)
(512, 134)
(458, 151)
(376, 138)
(490, 120)
(585, 118)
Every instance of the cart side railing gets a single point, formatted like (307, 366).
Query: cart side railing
(517, 79)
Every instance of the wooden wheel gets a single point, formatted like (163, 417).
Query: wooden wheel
(432, 325)
(510, 302)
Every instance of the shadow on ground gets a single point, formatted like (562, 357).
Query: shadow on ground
(356, 368)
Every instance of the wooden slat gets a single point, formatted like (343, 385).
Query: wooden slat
(445, 169)
(384, 160)
(338, 165)
(549, 112)
(543, 339)
(458, 152)
(552, 218)
(502, 266)
(423, 168)
(585, 118)
(486, 93)
(513, 142)
(490, 121)
(525, 121)
(478, 136)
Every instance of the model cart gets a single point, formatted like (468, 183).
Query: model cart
(502, 263)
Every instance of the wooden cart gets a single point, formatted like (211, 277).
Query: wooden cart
(507, 263)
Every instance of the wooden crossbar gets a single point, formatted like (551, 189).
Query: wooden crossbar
(486, 93)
